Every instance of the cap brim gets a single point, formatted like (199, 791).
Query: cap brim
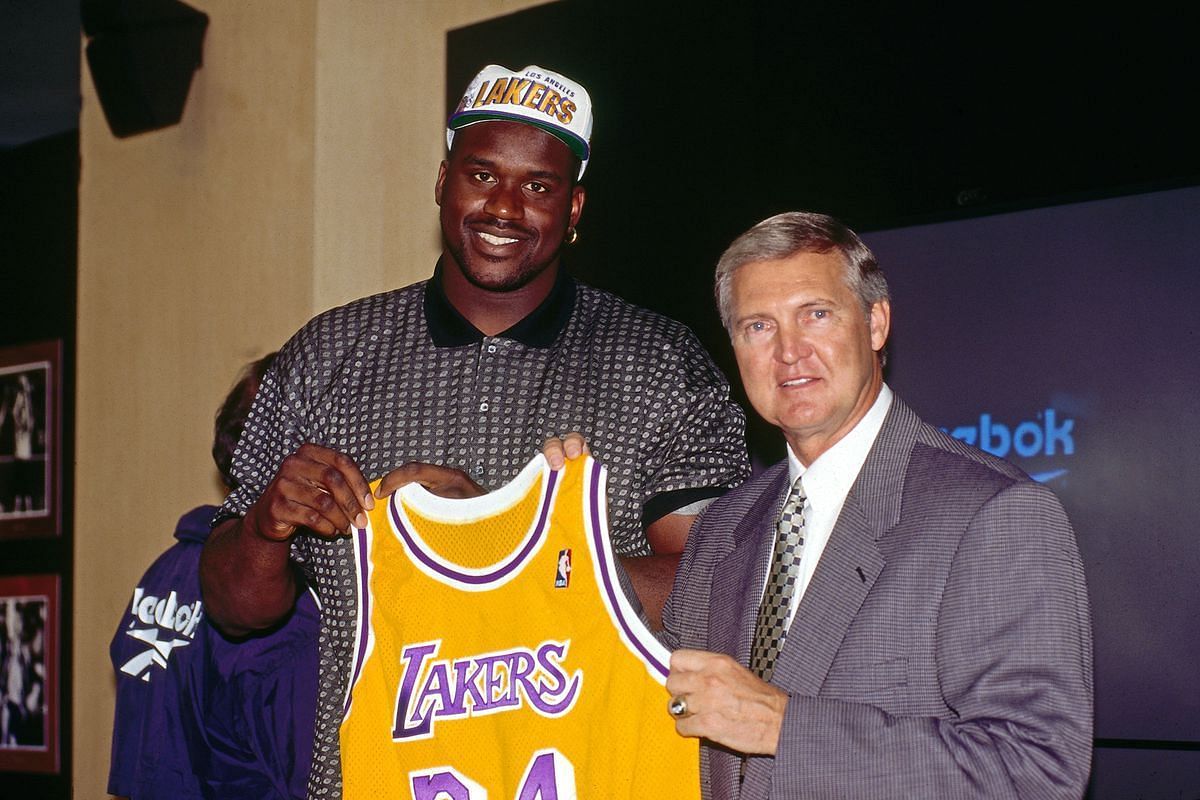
(577, 145)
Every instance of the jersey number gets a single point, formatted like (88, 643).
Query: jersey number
(549, 776)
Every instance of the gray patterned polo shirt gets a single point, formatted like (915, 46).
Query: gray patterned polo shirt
(401, 376)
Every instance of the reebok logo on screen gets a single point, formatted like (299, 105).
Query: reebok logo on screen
(1045, 435)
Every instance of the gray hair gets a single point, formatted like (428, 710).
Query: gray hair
(783, 236)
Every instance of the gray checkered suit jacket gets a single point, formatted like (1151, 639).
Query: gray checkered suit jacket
(943, 648)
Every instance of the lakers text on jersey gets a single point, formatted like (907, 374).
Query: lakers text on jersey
(497, 656)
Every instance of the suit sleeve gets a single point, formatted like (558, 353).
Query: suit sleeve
(1014, 663)
(685, 614)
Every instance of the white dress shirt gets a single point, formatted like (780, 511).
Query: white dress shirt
(826, 483)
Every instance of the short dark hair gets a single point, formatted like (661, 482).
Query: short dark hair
(231, 416)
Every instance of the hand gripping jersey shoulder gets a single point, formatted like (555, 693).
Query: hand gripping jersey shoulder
(497, 657)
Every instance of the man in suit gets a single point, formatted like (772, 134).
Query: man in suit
(888, 613)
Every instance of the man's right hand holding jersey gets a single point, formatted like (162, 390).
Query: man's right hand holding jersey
(248, 579)
(324, 491)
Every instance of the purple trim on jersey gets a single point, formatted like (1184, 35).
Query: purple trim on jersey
(364, 619)
(504, 569)
(600, 547)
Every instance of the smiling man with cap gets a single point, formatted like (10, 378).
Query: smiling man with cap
(456, 381)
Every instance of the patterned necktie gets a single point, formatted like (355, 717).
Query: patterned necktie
(781, 585)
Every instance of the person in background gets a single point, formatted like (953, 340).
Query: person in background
(197, 715)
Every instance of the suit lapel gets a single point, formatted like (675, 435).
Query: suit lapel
(736, 588)
(851, 561)
(846, 572)
(849, 567)
(739, 576)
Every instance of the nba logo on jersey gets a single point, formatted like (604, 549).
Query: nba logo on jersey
(562, 575)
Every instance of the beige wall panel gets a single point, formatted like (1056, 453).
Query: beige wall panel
(195, 255)
(380, 137)
(300, 177)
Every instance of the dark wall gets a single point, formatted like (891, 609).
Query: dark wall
(39, 177)
(710, 117)
(1063, 339)
(39, 70)
(39, 206)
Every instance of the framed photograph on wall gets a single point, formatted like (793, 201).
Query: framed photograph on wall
(29, 626)
(30, 439)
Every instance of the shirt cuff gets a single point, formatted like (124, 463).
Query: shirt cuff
(660, 505)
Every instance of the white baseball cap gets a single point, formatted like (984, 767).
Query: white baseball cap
(542, 98)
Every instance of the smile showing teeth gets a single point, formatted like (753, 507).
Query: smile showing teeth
(797, 382)
(497, 240)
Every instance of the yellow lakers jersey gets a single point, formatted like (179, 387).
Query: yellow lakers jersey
(497, 656)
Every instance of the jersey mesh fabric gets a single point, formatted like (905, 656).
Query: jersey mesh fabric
(490, 538)
(366, 379)
(503, 662)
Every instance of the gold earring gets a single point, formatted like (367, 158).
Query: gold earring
(572, 235)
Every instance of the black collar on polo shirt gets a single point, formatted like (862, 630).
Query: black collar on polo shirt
(449, 328)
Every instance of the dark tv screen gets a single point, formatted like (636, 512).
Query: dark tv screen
(1067, 339)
